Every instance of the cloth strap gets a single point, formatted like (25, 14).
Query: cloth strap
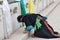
(48, 27)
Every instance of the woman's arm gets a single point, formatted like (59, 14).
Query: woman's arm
(42, 16)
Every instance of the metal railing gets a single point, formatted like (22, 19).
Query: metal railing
(43, 5)
(38, 5)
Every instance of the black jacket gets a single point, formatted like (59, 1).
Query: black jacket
(42, 32)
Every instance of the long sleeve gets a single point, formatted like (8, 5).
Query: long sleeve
(42, 16)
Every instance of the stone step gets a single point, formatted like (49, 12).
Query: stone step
(42, 39)
(18, 35)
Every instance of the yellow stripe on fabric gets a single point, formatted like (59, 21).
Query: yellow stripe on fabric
(39, 1)
(30, 6)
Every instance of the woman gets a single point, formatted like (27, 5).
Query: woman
(37, 22)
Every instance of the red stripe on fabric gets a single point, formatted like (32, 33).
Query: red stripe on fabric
(48, 27)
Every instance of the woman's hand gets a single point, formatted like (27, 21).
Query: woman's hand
(25, 31)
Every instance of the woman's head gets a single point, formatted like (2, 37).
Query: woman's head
(19, 18)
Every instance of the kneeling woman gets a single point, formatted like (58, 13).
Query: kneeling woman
(37, 22)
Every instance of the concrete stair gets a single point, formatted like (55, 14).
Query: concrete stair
(42, 39)
(18, 35)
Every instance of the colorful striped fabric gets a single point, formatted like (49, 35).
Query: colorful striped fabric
(30, 6)
(23, 10)
(37, 24)
(22, 6)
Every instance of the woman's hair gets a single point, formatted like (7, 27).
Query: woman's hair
(19, 18)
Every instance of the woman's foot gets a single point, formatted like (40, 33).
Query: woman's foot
(33, 36)
(58, 35)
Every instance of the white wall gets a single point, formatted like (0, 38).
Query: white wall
(1, 25)
(10, 18)
(1, 0)
(7, 19)
(16, 25)
(10, 0)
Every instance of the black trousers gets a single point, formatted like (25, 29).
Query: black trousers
(43, 32)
